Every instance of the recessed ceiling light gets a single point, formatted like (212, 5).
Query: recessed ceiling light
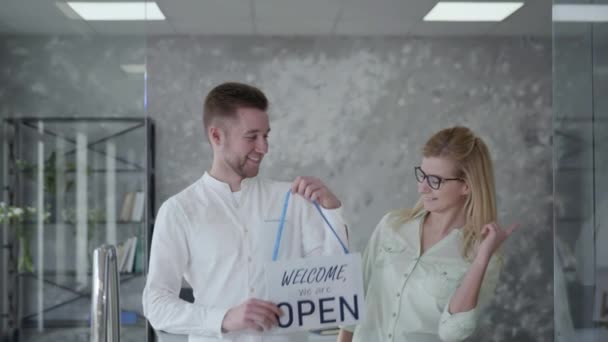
(580, 13)
(472, 11)
(134, 68)
(67, 10)
(117, 11)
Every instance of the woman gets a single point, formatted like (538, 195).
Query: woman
(428, 270)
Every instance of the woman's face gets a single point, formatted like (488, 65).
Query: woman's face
(439, 186)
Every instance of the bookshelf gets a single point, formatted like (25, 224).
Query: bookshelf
(93, 178)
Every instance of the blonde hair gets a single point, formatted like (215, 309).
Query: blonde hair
(474, 166)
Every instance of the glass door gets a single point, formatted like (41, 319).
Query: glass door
(580, 108)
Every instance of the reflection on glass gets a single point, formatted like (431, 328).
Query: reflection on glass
(581, 191)
(40, 228)
(110, 193)
(69, 108)
(82, 209)
(75, 176)
(60, 192)
(4, 228)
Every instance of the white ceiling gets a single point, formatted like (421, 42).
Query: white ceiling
(276, 17)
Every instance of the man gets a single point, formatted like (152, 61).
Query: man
(219, 232)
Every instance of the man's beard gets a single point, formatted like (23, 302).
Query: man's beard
(240, 168)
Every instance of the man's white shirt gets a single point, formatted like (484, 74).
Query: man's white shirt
(219, 243)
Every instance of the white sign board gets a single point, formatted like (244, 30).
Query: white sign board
(317, 292)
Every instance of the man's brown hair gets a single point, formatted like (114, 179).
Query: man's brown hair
(224, 100)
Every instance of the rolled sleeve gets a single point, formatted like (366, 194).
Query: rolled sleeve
(459, 326)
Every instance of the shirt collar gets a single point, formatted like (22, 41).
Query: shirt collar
(219, 185)
(408, 234)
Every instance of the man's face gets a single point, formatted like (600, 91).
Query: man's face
(244, 142)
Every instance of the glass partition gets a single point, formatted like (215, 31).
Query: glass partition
(580, 111)
(76, 165)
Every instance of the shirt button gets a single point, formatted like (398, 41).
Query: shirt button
(394, 314)
(398, 294)
(251, 290)
(405, 274)
(250, 259)
(390, 335)
(246, 230)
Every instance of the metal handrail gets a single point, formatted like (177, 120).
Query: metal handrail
(105, 305)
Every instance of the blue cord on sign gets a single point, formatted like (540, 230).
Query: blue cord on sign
(277, 243)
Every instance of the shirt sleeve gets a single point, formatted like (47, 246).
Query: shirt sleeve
(459, 326)
(169, 257)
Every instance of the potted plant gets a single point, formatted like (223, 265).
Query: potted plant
(16, 218)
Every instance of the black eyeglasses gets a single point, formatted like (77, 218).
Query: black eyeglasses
(433, 181)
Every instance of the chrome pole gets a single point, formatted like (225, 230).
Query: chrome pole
(105, 305)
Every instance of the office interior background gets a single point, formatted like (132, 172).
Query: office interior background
(101, 122)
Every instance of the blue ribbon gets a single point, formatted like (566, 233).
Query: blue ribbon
(282, 225)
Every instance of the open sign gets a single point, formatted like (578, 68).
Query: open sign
(318, 292)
